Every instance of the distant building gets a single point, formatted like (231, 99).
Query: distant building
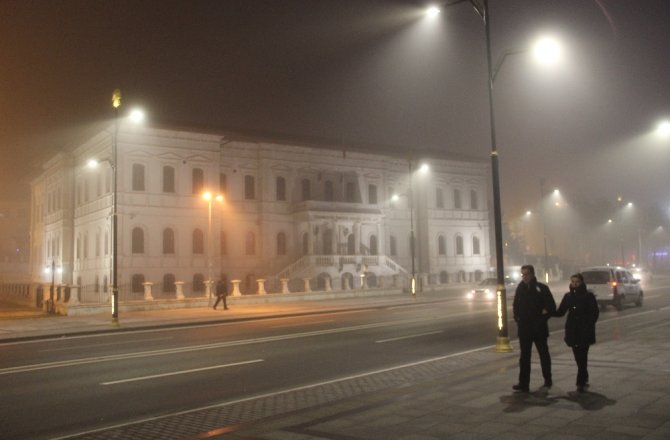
(14, 250)
(292, 211)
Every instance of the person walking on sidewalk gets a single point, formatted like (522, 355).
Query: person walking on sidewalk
(221, 294)
(580, 326)
(533, 306)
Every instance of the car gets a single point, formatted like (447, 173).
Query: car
(485, 290)
(641, 273)
(613, 285)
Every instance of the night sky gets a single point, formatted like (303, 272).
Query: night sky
(363, 72)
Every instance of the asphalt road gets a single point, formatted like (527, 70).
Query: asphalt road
(59, 387)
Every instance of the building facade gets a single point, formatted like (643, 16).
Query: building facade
(336, 217)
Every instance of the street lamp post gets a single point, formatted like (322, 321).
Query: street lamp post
(51, 269)
(544, 232)
(412, 240)
(116, 103)
(208, 197)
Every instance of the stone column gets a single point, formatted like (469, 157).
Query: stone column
(424, 282)
(329, 288)
(46, 294)
(307, 287)
(236, 288)
(208, 288)
(74, 296)
(364, 281)
(179, 285)
(380, 281)
(284, 285)
(345, 283)
(147, 291)
(261, 286)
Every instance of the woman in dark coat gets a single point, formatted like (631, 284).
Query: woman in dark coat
(580, 326)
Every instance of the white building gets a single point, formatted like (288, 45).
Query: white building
(291, 211)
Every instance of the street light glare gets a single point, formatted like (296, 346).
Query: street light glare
(432, 11)
(137, 116)
(207, 195)
(424, 168)
(92, 163)
(547, 50)
(664, 128)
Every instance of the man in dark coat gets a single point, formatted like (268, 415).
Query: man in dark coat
(533, 306)
(580, 326)
(221, 294)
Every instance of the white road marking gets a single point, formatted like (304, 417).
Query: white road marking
(302, 323)
(381, 341)
(175, 373)
(107, 344)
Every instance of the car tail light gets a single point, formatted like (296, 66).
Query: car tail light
(615, 291)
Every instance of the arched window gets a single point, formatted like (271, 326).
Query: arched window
(328, 191)
(281, 188)
(168, 241)
(373, 245)
(197, 180)
(459, 245)
(441, 245)
(474, 200)
(394, 246)
(138, 177)
(250, 244)
(198, 242)
(372, 194)
(138, 283)
(198, 282)
(306, 189)
(475, 246)
(168, 179)
(168, 283)
(439, 198)
(138, 241)
(457, 199)
(249, 188)
(281, 244)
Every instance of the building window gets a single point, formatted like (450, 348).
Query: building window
(97, 244)
(86, 245)
(372, 194)
(96, 286)
(373, 245)
(459, 245)
(441, 246)
(168, 179)
(281, 188)
(105, 284)
(138, 241)
(281, 244)
(197, 180)
(305, 243)
(250, 244)
(198, 282)
(351, 192)
(223, 243)
(106, 242)
(223, 183)
(457, 199)
(306, 189)
(138, 177)
(394, 246)
(249, 188)
(444, 277)
(475, 246)
(474, 201)
(439, 198)
(198, 242)
(168, 241)
(328, 191)
(168, 283)
(138, 283)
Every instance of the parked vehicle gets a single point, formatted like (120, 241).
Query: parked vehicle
(613, 285)
(643, 274)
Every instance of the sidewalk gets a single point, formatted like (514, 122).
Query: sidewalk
(460, 396)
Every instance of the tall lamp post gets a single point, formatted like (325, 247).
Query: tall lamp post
(116, 103)
(412, 241)
(208, 196)
(51, 269)
(502, 341)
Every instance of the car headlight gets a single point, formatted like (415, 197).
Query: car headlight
(470, 295)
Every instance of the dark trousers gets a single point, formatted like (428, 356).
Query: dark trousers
(582, 360)
(526, 345)
(218, 300)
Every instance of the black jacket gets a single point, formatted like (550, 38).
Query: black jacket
(582, 309)
(529, 301)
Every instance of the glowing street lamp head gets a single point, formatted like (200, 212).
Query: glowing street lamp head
(663, 128)
(424, 168)
(432, 11)
(92, 163)
(219, 198)
(547, 50)
(137, 116)
(207, 195)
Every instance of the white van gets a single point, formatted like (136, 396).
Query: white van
(613, 285)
